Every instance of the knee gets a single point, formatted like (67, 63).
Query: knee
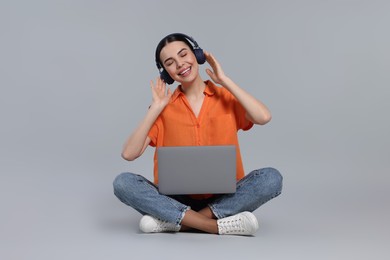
(273, 179)
(123, 182)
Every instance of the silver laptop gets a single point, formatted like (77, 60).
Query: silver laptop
(197, 169)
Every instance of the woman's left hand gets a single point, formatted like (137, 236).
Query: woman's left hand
(217, 74)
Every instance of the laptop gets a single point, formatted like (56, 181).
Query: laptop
(196, 169)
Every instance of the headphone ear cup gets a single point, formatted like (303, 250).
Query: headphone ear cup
(200, 58)
(165, 76)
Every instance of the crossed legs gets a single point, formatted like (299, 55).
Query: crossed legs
(253, 190)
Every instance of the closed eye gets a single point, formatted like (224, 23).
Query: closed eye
(168, 63)
(182, 53)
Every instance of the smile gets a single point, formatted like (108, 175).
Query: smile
(185, 72)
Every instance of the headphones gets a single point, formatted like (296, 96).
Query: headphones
(198, 52)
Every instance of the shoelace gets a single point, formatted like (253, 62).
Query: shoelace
(232, 226)
(164, 226)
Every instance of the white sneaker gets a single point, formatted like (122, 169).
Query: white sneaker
(244, 223)
(150, 224)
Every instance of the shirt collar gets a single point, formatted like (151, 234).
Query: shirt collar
(209, 90)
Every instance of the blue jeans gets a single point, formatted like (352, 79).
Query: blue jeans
(252, 191)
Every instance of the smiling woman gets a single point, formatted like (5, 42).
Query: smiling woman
(197, 113)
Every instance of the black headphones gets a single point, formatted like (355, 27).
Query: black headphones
(200, 58)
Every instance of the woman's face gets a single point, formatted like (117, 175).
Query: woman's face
(179, 61)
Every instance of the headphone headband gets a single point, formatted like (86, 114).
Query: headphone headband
(188, 38)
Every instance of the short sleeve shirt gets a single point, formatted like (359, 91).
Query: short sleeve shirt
(219, 119)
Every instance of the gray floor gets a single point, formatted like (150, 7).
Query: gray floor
(76, 216)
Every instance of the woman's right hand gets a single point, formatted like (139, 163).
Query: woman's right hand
(160, 94)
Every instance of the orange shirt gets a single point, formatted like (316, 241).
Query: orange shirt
(220, 118)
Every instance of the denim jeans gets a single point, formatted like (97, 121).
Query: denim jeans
(252, 191)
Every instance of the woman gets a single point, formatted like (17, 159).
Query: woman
(196, 113)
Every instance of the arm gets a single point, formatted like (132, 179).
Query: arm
(256, 111)
(139, 140)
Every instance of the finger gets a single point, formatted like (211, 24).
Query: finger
(209, 58)
(159, 83)
(213, 63)
(162, 82)
(163, 86)
(208, 55)
(209, 72)
(152, 84)
(153, 89)
(169, 92)
(213, 60)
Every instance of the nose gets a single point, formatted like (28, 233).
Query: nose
(179, 64)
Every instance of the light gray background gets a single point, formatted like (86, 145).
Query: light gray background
(74, 79)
